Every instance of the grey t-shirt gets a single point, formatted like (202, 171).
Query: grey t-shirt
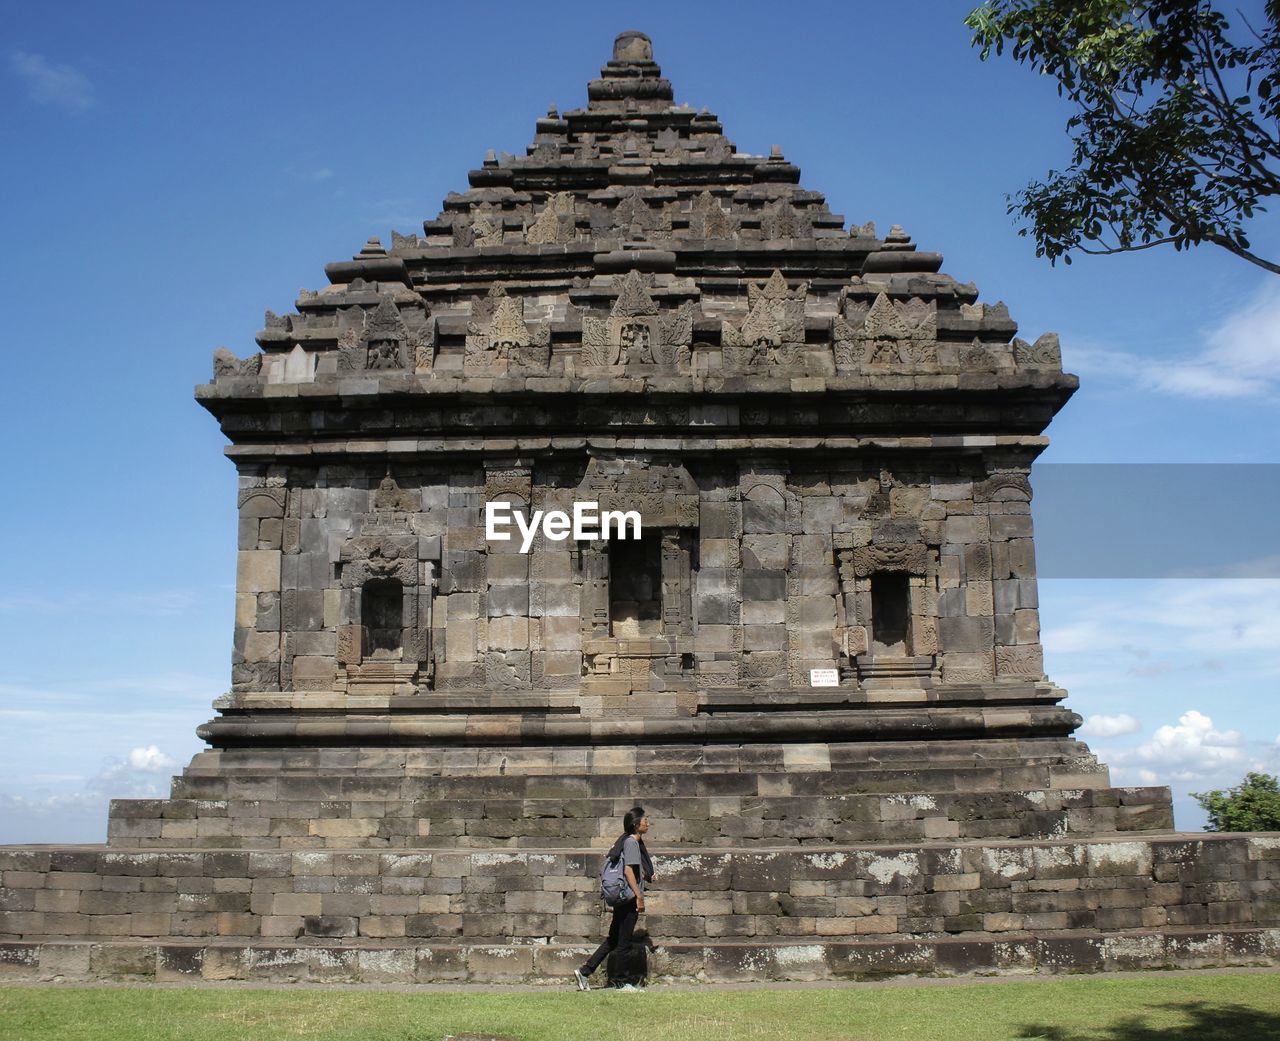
(631, 855)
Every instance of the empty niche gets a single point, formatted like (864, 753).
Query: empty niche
(382, 615)
(890, 613)
(635, 586)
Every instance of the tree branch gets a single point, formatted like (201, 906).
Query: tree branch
(1107, 251)
(1173, 138)
(1232, 247)
(1229, 115)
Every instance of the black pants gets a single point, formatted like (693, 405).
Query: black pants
(623, 925)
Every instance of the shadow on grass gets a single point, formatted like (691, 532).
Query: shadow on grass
(1202, 1022)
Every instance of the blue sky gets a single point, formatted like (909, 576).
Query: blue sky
(173, 170)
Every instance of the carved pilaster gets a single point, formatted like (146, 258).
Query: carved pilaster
(673, 584)
(595, 590)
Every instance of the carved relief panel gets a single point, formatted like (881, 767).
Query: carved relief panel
(772, 334)
(891, 334)
(385, 339)
(636, 333)
(499, 340)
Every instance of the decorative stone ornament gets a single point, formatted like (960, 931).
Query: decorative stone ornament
(772, 334)
(499, 341)
(636, 334)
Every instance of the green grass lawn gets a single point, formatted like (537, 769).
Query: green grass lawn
(1173, 1007)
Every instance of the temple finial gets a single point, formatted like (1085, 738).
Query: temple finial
(632, 45)
(630, 82)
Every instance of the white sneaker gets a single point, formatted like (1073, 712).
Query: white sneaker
(583, 982)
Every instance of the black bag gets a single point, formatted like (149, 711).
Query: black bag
(629, 966)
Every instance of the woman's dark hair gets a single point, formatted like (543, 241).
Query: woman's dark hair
(632, 819)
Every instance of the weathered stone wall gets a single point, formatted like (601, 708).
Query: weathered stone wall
(700, 795)
(714, 795)
(544, 896)
(481, 818)
(773, 578)
(738, 961)
(1020, 893)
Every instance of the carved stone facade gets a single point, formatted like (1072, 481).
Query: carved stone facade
(828, 443)
(826, 637)
(735, 535)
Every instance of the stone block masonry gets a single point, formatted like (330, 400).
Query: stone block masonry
(740, 913)
(430, 734)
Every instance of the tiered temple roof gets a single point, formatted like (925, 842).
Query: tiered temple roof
(634, 242)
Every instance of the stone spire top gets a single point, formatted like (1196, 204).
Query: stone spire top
(631, 45)
(631, 79)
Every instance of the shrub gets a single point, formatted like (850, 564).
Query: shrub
(1252, 805)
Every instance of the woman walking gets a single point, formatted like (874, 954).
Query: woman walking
(638, 868)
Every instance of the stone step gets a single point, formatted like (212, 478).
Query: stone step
(755, 961)
(660, 719)
(761, 756)
(679, 822)
(872, 778)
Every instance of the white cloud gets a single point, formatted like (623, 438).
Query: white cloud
(1247, 342)
(40, 814)
(1237, 358)
(116, 780)
(1191, 750)
(1110, 726)
(1223, 638)
(151, 760)
(51, 84)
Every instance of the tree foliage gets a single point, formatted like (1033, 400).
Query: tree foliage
(1252, 805)
(1175, 138)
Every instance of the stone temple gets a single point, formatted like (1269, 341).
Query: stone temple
(819, 667)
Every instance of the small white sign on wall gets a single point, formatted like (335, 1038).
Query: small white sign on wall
(824, 677)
